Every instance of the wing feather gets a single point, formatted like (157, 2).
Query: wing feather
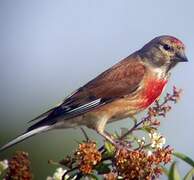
(120, 80)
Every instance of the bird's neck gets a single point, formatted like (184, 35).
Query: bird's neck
(159, 73)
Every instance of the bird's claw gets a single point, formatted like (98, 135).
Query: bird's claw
(119, 144)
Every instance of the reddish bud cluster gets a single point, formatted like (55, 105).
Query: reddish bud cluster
(87, 156)
(163, 155)
(175, 97)
(159, 110)
(133, 164)
(19, 167)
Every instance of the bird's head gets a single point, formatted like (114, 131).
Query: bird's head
(164, 51)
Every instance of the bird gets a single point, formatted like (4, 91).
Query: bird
(122, 91)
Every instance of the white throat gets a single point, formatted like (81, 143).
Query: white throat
(159, 72)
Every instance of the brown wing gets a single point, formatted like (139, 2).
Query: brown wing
(117, 82)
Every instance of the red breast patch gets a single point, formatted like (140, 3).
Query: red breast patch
(152, 91)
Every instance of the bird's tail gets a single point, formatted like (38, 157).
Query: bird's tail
(25, 136)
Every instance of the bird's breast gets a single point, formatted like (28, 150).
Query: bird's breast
(152, 90)
(140, 100)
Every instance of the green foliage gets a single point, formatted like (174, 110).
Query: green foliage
(3, 168)
(102, 168)
(185, 158)
(110, 149)
(173, 172)
(189, 175)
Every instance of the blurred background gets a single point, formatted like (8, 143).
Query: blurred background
(50, 48)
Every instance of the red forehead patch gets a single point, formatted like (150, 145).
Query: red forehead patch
(176, 41)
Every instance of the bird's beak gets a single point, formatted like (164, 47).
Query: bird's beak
(181, 57)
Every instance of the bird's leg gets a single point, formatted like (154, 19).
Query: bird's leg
(118, 144)
(100, 128)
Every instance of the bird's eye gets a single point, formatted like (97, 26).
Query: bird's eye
(166, 47)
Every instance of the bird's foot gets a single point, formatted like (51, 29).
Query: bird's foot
(117, 143)
(120, 144)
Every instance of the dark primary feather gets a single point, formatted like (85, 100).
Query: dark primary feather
(117, 82)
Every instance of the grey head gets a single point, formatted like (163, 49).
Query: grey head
(164, 51)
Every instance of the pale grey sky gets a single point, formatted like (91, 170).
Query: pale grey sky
(50, 48)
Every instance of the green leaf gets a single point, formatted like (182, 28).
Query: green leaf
(124, 131)
(148, 129)
(2, 171)
(116, 135)
(110, 149)
(184, 158)
(102, 168)
(173, 172)
(1, 168)
(189, 175)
